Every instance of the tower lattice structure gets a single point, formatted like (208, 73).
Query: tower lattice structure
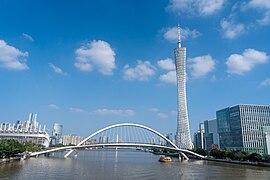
(183, 139)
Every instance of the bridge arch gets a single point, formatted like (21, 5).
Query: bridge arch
(128, 124)
(166, 143)
(122, 125)
(139, 126)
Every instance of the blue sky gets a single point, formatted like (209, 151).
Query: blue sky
(89, 64)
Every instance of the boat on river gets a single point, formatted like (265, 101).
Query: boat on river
(165, 159)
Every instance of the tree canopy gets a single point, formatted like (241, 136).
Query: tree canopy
(11, 147)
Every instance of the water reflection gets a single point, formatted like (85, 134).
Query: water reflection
(115, 162)
(10, 170)
(123, 164)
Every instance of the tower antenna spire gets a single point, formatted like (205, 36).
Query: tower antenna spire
(179, 35)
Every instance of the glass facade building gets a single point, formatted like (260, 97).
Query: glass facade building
(245, 127)
(211, 139)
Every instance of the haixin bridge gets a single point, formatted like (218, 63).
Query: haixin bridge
(125, 135)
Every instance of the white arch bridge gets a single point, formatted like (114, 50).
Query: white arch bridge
(125, 135)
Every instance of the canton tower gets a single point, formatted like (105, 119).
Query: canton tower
(183, 140)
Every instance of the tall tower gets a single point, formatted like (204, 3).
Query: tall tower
(183, 139)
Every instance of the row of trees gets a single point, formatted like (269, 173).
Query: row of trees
(233, 155)
(11, 147)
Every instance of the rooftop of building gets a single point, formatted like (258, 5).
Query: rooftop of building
(246, 105)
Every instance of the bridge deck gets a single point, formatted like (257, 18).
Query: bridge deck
(115, 145)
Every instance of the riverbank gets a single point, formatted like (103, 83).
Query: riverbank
(261, 164)
(250, 163)
(8, 160)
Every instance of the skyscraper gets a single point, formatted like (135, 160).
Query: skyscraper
(199, 142)
(211, 137)
(183, 139)
(56, 133)
(245, 127)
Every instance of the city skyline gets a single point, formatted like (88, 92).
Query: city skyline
(87, 65)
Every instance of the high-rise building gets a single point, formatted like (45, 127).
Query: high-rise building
(183, 139)
(71, 139)
(199, 137)
(169, 136)
(210, 134)
(56, 133)
(245, 127)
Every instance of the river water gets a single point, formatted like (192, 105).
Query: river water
(125, 164)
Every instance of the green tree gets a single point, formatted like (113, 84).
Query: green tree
(201, 151)
(254, 157)
(240, 156)
(10, 147)
(266, 158)
(31, 147)
(230, 154)
(219, 154)
(214, 153)
(56, 145)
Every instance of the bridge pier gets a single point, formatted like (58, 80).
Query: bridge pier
(182, 156)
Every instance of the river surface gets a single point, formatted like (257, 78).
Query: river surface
(125, 164)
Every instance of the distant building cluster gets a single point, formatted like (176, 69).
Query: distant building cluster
(241, 128)
(71, 139)
(103, 139)
(31, 131)
(26, 131)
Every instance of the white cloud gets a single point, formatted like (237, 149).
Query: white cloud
(12, 58)
(265, 20)
(27, 37)
(198, 7)
(264, 7)
(266, 82)
(57, 70)
(186, 33)
(262, 4)
(171, 34)
(154, 109)
(201, 65)
(76, 110)
(142, 71)
(209, 7)
(162, 115)
(231, 30)
(115, 112)
(166, 64)
(169, 77)
(96, 55)
(53, 106)
(242, 63)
